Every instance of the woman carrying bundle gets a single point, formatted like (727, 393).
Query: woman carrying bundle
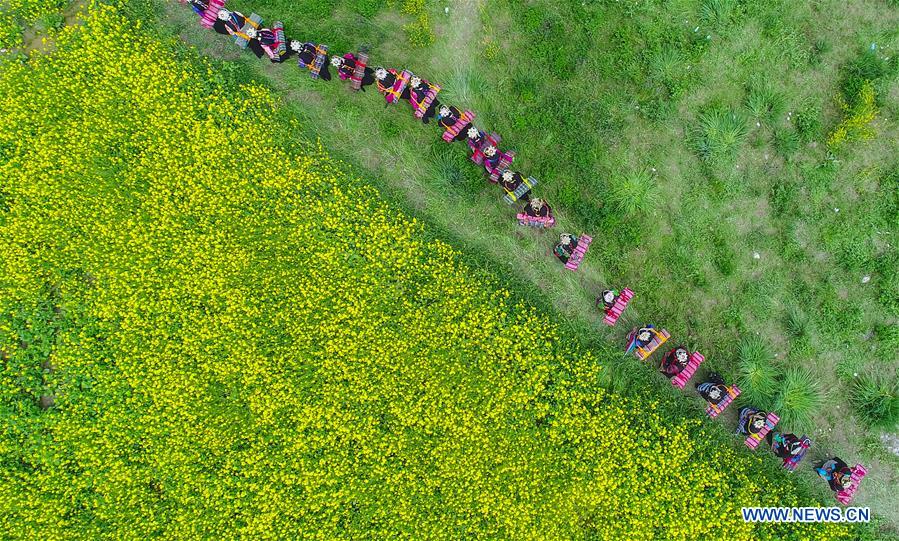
(565, 247)
(752, 421)
(448, 116)
(784, 445)
(386, 78)
(674, 362)
(837, 474)
(345, 67)
(714, 390)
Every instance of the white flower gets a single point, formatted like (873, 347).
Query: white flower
(295, 45)
(507, 175)
(490, 150)
(444, 110)
(224, 14)
(472, 132)
(380, 74)
(415, 81)
(336, 61)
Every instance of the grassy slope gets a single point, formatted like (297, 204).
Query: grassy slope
(691, 258)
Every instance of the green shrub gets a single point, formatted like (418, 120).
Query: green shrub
(876, 400)
(757, 373)
(799, 399)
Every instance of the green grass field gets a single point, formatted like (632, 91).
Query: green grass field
(691, 139)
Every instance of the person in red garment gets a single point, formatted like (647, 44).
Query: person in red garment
(674, 362)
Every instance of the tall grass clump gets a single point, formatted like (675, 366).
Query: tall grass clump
(799, 399)
(765, 103)
(634, 192)
(757, 373)
(719, 135)
(876, 400)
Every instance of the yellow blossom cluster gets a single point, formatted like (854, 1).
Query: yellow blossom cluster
(17, 15)
(243, 341)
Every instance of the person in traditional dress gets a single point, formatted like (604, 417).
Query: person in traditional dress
(306, 53)
(385, 79)
(607, 299)
(228, 22)
(345, 67)
(751, 421)
(674, 362)
(418, 90)
(511, 181)
(713, 390)
(837, 473)
(447, 116)
(537, 208)
(784, 446)
(565, 247)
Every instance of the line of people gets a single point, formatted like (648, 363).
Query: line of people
(678, 364)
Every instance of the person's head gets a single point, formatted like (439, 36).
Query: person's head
(223, 14)
(415, 81)
(444, 111)
(507, 175)
(295, 45)
(251, 32)
(336, 61)
(681, 355)
(844, 477)
(757, 421)
(380, 74)
(608, 295)
(472, 133)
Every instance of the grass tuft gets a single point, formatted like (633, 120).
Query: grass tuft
(758, 375)
(799, 399)
(876, 400)
(719, 135)
(635, 192)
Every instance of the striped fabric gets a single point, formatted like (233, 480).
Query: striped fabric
(422, 107)
(241, 39)
(792, 462)
(477, 149)
(583, 243)
(535, 221)
(358, 71)
(681, 379)
(753, 440)
(393, 94)
(275, 47)
(613, 313)
(714, 410)
(321, 56)
(659, 338)
(523, 188)
(211, 13)
(453, 131)
(858, 473)
(505, 160)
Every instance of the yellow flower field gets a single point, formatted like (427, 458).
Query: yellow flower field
(242, 341)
